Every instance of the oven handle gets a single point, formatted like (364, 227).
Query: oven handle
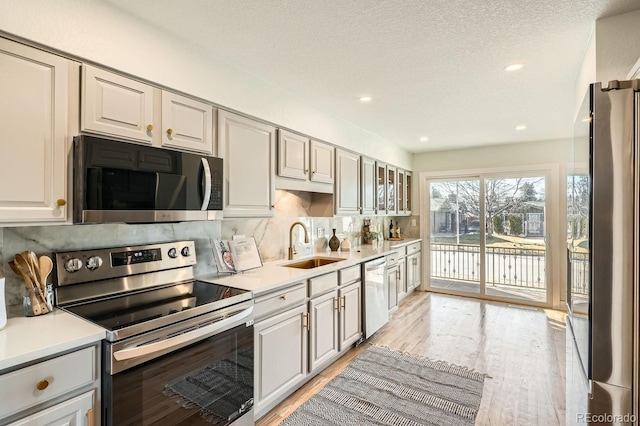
(182, 339)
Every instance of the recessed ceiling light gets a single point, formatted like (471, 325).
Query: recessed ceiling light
(513, 67)
(424, 139)
(521, 127)
(365, 99)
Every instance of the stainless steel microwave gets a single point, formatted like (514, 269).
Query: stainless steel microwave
(125, 182)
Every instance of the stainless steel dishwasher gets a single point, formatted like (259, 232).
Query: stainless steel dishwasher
(376, 295)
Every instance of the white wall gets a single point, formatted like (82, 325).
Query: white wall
(97, 32)
(587, 73)
(617, 46)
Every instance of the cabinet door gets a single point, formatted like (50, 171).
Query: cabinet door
(322, 162)
(368, 185)
(116, 105)
(392, 279)
(293, 155)
(73, 412)
(408, 187)
(323, 336)
(280, 356)
(400, 185)
(402, 278)
(350, 315)
(248, 149)
(347, 183)
(381, 190)
(413, 271)
(34, 114)
(186, 123)
(392, 194)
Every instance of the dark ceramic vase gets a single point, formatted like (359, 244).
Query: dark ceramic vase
(334, 242)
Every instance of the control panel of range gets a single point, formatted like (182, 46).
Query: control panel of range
(90, 265)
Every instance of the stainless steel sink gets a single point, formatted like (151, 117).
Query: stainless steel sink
(313, 262)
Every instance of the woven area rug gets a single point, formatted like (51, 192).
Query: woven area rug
(387, 387)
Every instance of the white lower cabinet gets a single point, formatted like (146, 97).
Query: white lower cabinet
(402, 278)
(392, 279)
(280, 356)
(413, 271)
(323, 333)
(56, 391)
(350, 300)
(73, 412)
(293, 346)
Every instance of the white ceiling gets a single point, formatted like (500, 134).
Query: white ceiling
(433, 67)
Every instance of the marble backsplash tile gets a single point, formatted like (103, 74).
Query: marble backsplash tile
(271, 234)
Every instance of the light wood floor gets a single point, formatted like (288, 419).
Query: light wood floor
(522, 350)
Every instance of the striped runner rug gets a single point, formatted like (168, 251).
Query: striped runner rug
(387, 387)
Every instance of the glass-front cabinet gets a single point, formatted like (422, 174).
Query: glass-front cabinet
(381, 174)
(408, 178)
(402, 207)
(392, 194)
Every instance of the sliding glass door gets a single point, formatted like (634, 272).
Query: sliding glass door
(488, 237)
(455, 235)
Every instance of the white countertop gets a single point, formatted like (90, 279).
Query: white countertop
(272, 275)
(27, 339)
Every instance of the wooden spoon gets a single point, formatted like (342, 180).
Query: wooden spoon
(35, 304)
(46, 266)
(35, 266)
(25, 267)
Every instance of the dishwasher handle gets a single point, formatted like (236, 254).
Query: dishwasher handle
(375, 264)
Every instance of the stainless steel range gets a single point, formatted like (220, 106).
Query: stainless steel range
(178, 351)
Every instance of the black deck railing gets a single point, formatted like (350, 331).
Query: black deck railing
(579, 273)
(516, 267)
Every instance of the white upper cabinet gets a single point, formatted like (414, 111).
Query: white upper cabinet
(129, 109)
(347, 195)
(116, 105)
(303, 164)
(34, 118)
(321, 162)
(368, 185)
(186, 123)
(408, 192)
(248, 149)
(293, 155)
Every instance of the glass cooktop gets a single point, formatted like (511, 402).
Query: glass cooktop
(170, 304)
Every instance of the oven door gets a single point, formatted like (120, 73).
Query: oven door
(199, 371)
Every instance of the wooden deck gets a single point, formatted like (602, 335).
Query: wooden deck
(522, 350)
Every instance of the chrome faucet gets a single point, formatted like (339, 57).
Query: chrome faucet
(306, 237)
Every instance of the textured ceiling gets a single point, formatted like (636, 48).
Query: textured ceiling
(433, 67)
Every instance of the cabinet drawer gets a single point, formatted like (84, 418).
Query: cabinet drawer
(322, 283)
(350, 275)
(394, 256)
(38, 383)
(279, 300)
(413, 248)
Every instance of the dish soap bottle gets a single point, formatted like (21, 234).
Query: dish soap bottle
(345, 245)
(334, 242)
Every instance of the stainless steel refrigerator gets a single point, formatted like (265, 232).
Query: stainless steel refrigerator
(602, 252)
